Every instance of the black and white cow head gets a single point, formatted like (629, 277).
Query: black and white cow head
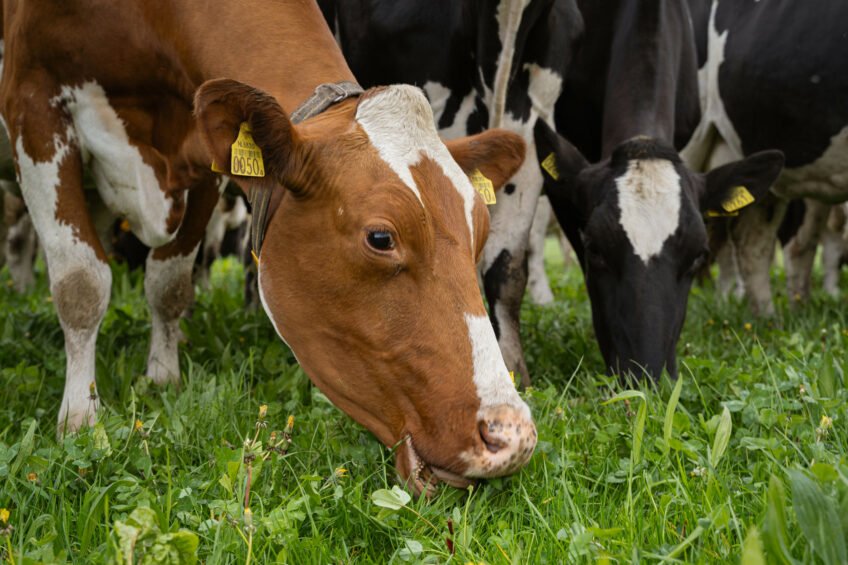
(635, 220)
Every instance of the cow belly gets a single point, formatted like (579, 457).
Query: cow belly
(128, 185)
(825, 179)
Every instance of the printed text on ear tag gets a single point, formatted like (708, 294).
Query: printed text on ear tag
(549, 164)
(738, 197)
(483, 186)
(216, 168)
(246, 157)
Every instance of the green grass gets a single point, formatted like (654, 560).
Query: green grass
(743, 459)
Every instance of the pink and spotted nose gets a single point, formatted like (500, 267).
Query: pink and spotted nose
(507, 437)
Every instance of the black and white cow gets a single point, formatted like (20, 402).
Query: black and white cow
(634, 217)
(482, 63)
(773, 74)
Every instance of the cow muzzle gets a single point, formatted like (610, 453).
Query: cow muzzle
(503, 442)
(507, 437)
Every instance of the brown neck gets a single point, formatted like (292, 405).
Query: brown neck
(285, 48)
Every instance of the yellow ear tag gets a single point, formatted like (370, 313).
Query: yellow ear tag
(512, 376)
(738, 197)
(246, 157)
(718, 214)
(549, 164)
(483, 186)
(216, 168)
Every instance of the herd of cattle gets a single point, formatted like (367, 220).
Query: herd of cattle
(665, 133)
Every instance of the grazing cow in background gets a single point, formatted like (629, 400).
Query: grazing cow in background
(773, 74)
(18, 243)
(482, 63)
(395, 333)
(807, 223)
(634, 216)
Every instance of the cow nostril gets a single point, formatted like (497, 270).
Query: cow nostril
(490, 440)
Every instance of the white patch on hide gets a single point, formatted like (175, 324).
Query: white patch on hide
(439, 95)
(126, 183)
(649, 200)
(399, 123)
(713, 112)
(494, 387)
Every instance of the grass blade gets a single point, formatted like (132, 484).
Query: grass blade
(818, 519)
(669, 413)
(722, 437)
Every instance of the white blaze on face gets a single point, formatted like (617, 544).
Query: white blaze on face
(649, 200)
(494, 386)
(399, 122)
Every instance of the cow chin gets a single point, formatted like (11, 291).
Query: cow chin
(423, 477)
(504, 442)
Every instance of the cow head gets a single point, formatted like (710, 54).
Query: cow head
(367, 271)
(635, 220)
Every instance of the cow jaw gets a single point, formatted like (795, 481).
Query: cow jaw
(422, 476)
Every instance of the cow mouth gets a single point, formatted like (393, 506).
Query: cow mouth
(426, 477)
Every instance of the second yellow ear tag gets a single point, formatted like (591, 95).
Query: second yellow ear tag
(549, 164)
(738, 197)
(246, 157)
(216, 168)
(483, 186)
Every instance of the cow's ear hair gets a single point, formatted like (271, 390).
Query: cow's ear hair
(561, 163)
(222, 105)
(496, 153)
(731, 187)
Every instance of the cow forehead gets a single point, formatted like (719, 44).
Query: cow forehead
(649, 196)
(399, 124)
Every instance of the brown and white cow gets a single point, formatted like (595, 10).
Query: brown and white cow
(373, 229)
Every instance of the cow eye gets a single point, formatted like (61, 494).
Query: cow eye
(699, 261)
(381, 240)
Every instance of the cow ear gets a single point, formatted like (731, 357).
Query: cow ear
(496, 153)
(222, 106)
(731, 187)
(561, 163)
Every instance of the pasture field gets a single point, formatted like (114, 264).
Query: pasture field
(745, 460)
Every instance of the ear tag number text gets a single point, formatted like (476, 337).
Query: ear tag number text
(738, 197)
(549, 164)
(483, 186)
(246, 157)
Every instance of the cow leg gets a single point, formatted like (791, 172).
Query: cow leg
(800, 252)
(18, 242)
(4, 227)
(50, 166)
(833, 247)
(504, 261)
(754, 235)
(212, 239)
(22, 247)
(568, 256)
(537, 283)
(168, 283)
(729, 279)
